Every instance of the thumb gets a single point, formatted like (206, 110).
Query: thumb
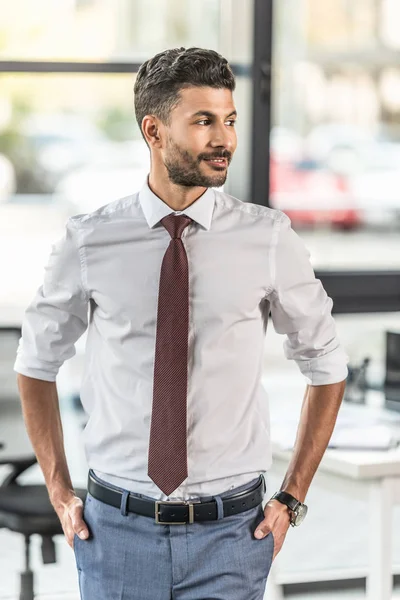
(83, 533)
(262, 530)
(80, 529)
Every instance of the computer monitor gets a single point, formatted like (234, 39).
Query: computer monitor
(392, 373)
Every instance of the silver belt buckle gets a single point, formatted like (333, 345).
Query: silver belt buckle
(189, 503)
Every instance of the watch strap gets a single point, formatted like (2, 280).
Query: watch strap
(287, 499)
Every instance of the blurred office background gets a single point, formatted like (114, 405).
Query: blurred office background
(318, 97)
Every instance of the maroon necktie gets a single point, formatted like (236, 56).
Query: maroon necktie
(167, 465)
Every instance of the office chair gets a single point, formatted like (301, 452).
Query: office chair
(24, 509)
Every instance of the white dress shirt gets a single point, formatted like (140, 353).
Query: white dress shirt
(245, 260)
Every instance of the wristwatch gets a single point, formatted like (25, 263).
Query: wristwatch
(298, 510)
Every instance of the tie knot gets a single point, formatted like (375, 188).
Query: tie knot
(175, 224)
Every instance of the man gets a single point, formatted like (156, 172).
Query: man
(180, 280)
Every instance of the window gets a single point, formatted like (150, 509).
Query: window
(335, 139)
(69, 141)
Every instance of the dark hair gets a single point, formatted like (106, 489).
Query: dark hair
(160, 79)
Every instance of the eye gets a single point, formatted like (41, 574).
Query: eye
(203, 121)
(232, 122)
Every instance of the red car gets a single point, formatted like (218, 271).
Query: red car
(309, 193)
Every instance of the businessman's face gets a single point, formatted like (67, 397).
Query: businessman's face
(201, 137)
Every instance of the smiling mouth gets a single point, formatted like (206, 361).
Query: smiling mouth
(217, 162)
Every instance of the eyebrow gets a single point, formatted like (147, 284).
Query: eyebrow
(207, 113)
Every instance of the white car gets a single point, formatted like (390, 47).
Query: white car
(119, 172)
(370, 163)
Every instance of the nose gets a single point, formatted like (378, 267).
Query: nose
(223, 136)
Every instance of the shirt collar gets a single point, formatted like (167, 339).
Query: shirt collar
(155, 209)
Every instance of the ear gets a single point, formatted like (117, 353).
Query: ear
(151, 127)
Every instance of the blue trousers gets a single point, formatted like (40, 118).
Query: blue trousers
(130, 557)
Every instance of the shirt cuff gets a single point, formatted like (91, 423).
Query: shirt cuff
(329, 368)
(35, 373)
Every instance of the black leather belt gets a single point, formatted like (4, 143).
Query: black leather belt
(178, 513)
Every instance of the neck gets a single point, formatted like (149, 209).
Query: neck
(177, 197)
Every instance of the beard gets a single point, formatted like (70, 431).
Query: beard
(185, 170)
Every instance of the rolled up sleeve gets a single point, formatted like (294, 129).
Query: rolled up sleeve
(301, 309)
(58, 313)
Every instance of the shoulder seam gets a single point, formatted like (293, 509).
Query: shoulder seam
(274, 214)
(81, 254)
(95, 216)
(274, 244)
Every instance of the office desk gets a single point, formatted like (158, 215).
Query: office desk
(352, 473)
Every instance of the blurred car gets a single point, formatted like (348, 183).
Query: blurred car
(62, 143)
(341, 147)
(369, 161)
(120, 171)
(377, 186)
(286, 145)
(309, 193)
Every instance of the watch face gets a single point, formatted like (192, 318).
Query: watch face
(301, 512)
